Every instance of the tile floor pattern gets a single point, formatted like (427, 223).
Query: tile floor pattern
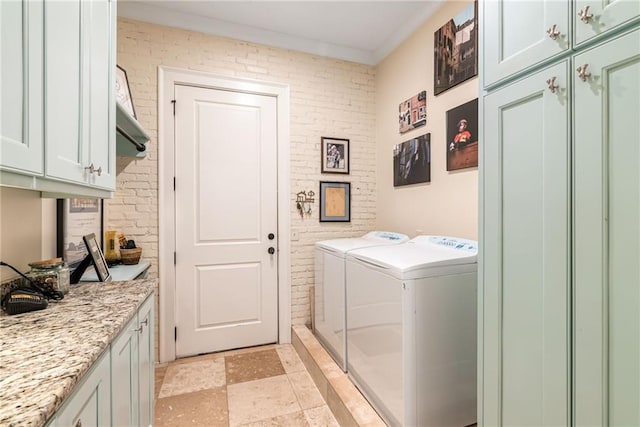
(256, 387)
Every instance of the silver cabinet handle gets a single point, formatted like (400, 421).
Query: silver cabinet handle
(99, 171)
(138, 329)
(553, 32)
(584, 15)
(90, 168)
(551, 83)
(583, 73)
(144, 322)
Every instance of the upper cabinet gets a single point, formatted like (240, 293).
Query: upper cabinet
(21, 93)
(79, 115)
(57, 99)
(526, 34)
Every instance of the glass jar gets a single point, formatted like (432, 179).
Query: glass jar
(111, 248)
(52, 274)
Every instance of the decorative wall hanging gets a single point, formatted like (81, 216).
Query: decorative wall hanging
(76, 218)
(462, 136)
(304, 202)
(412, 113)
(335, 155)
(456, 50)
(123, 92)
(335, 201)
(412, 161)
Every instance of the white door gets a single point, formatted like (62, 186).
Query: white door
(226, 220)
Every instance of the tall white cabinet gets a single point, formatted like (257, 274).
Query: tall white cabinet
(559, 292)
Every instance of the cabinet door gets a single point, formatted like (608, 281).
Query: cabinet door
(525, 282)
(90, 404)
(607, 234)
(21, 147)
(66, 157)
(124, 381)
(595, 17)
(515, 35)
(100, 35)
(145, 359)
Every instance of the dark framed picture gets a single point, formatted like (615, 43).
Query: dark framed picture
(412, 113)
(456, 50)
(76, 218)
(462, 136)
(335, 201)
(335, 155)
(412, 161)
(97, 258)
(123, 92)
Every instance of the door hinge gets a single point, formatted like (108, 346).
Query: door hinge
(175, 333)
(173, 101)
(175, 257)
(174, 183)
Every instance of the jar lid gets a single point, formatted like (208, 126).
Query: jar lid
(47, 263)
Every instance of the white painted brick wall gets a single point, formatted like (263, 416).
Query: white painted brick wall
(329, 97)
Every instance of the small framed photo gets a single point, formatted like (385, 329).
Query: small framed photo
(335, 201)
(97, 258)
(335, 155)
(123, 92)
(462, 136)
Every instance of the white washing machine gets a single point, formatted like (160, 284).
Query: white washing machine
(329, 319)
(411, 330)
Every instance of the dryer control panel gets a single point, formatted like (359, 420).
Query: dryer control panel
(388, 236)
(455, 243)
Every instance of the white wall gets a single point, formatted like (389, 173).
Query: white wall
(449, 203)
(329, 97)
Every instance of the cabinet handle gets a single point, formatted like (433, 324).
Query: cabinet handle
(138, 329)
(553, 32)
(78, 423)
(551, 83)
(90, 168)
(99, 170)
(584, 15)
(583, 73)
(144, 322)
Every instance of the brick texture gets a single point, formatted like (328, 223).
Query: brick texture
(329, 97)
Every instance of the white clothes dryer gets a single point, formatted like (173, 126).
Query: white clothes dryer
(329, 305)
(411, 330)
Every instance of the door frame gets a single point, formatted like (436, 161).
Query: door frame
(168, 77)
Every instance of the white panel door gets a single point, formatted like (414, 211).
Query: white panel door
(607, 234)
(226, 210)
(526, 279)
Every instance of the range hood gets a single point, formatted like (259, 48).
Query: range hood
(131, 138)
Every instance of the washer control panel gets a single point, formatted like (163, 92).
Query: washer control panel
(455, 243)
(388, 236)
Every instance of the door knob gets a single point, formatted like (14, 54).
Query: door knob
(584, 15)
(583, 73)
(551, 83)
(271, 250)
(553, 32)
(271, 236)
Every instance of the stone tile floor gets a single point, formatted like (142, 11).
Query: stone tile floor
(260, 386)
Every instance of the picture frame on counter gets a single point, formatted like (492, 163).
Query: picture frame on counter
(97, 258)
(77, 217)
(335, 201)
(123, 91)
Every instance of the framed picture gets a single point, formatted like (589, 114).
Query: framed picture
(412, 113)
(462, 136)
(412, 161)
(75, 219)
(335, 201)
(335, 155)
(456, 50)
(123, 92)
(97, 258)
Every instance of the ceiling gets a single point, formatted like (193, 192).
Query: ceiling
(359, 31)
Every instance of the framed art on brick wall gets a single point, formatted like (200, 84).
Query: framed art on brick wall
(335, 155)
(335, 201)
(76, 218)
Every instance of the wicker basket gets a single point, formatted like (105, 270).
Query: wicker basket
(130, 256)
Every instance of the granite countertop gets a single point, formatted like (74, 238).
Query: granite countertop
(43, 354)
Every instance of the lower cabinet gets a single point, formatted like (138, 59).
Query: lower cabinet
(89, 405)
(131, 371)
(118, 389)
